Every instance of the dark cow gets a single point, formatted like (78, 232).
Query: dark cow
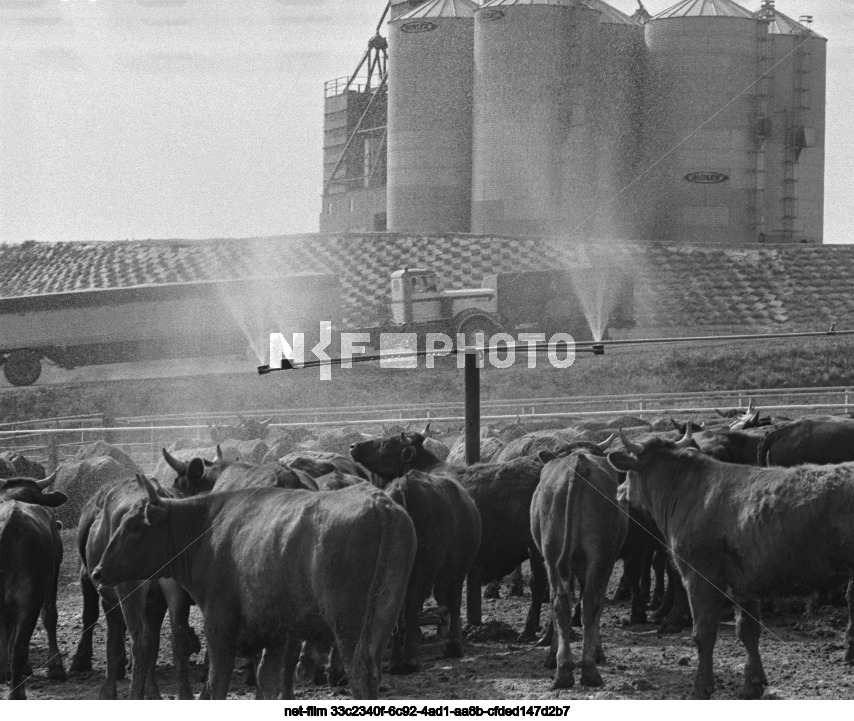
(448, 529)
(808, 441)
(319, 463)
(30, 556)
(24, 466)
(502, 493)
(266, 565)
(743, 533)
(138, 605)
(578, 527)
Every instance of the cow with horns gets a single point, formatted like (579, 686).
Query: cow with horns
(742, 532)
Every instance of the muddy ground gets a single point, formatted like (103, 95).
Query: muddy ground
(803, 654)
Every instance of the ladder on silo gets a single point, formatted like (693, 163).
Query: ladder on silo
(801, 68)
(761, 127)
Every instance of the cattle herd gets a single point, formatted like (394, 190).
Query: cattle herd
(325, 560)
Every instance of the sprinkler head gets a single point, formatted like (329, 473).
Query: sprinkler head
(598, 348)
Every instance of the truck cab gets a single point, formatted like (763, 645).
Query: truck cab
(417, 297)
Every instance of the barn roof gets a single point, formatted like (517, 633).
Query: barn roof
(675, 285)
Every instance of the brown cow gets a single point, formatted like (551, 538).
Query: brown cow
(743, 533)
(267, 566)
(448, 529)
(30, 556)
(808, 441)
(579, 528)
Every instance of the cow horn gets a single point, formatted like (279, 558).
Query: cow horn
(44, 483)
(178, 466)
(219, 456)
(631, 447)
(426, 429)
(687, 439)
(153, 498)
(603, 446)
(676, 425)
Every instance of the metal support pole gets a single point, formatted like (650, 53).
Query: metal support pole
(472, 383)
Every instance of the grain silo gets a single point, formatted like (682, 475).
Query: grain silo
(402, 7)
(522, 106)
(794, 152)
(430, 118)
(602, 149)
(703, 130)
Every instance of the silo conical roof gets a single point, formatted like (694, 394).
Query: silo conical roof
(442, 9)
(706, 9)
(780, 24)
(505, 3)
(609, 14)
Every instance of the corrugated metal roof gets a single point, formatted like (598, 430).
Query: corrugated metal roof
(780, 24)
(442, 9)
(610, 14)
(705, 9)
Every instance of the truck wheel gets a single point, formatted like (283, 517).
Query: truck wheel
(472, 326)
(22, 368)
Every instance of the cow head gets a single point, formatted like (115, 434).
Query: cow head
(29, 490)
(637, 460)
(681, 427)
(197, 475)
(134, 550)
(393, 456)
(597, 449)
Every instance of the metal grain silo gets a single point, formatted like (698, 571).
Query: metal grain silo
(702, 130)
(601, 152)
(794, 96)
(522, 106)
(430, 118)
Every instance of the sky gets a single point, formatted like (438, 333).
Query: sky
(134, 119)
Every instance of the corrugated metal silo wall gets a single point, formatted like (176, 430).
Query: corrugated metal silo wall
(700, 121)
(430, 125)
(521, 63)
(794, 195)
(612, 82)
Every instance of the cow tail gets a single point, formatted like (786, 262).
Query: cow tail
(575, 481)
(764, 449)
(365, 668)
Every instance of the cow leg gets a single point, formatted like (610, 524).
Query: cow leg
(4, 645)
(55, 669)
(19, 646)
(659, 568)
(268, 679)
(633, 565)
(562, 614)
(706, 603)
(748, 629)
(539, 582)
(82, 660)
(141, 629)
(517, 583)
(220, 666)
(474, 605)
(179, 619)
(849, 597)
(645, 572)
(116, 658)
(677, 616)
(592, 603)
(290, 659)
(549, 633)
(455, 646)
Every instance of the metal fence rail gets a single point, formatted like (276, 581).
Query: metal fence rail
(51, 441)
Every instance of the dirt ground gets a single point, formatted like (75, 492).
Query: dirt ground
(803, 655)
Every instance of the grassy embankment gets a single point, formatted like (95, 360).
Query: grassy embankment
(718, 366)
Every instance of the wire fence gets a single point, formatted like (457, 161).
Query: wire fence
(51, 441)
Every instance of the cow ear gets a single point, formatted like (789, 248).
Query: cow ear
(546, 456)
(407, 454)
(195, 470)
(52, 500)
(623, 461)
(154, 514)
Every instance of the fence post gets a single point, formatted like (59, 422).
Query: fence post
(53, 452)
